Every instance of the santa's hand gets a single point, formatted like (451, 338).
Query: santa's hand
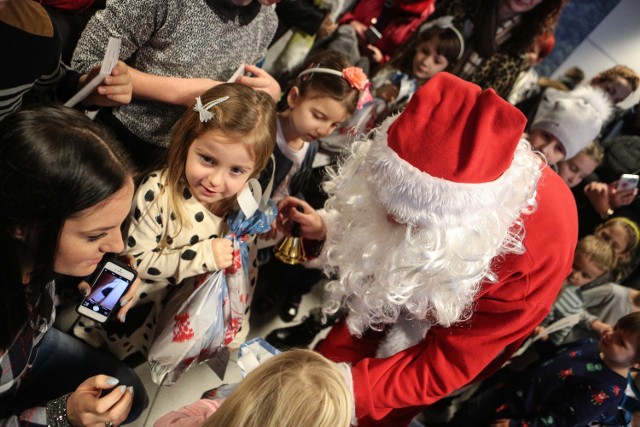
(311, 224)
(85, 406)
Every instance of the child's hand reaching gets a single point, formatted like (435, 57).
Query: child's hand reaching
(222, 252)
(540, 330)
(271, 234)
(388, 92)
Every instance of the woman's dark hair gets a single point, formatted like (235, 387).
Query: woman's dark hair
(540, 19)
(448, 46)
(54, 163)
(328, 84)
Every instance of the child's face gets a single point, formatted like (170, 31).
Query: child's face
(217, 166)
(575, 169)
(549, 145)
(617, 89)
(583, 270)
(616, 235)
(314, 115)
(516, 7)
(618, 348)
(427, 61)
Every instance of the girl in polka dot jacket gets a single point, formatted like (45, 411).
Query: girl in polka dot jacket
(178, 217)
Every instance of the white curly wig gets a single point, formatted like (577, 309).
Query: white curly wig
(426, 266)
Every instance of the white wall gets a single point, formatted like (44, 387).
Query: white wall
(616, 40)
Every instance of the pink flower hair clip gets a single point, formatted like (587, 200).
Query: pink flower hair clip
(355, 76)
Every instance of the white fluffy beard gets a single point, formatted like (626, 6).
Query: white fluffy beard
(421, 274)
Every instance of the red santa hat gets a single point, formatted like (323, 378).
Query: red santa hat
(452, 139)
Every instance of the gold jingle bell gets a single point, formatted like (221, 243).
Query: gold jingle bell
(291, 250)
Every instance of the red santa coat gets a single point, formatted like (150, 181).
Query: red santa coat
(391, 391)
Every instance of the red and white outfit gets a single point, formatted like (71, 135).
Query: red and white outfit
(451, 160)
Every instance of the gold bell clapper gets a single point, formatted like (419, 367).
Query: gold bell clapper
(291, 250)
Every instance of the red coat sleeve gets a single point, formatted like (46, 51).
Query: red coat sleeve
(505, 313)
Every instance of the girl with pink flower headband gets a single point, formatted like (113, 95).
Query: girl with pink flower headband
(320, 99)
(436, 46)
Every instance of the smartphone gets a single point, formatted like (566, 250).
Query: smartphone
(113, 281)
(373, 34)
(627, 182)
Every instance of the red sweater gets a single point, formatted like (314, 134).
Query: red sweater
(403, 18)
(390, 391)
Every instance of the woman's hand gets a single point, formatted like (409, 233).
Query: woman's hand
(261, 80)
(222, 252)
(85, 407)
(311, 224)
(116, 89)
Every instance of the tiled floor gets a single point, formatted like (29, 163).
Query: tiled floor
(201, 378)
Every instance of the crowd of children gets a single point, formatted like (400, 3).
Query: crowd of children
(175, 148)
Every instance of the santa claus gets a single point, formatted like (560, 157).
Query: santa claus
(450, 238)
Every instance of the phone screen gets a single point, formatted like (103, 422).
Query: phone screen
(106, 292)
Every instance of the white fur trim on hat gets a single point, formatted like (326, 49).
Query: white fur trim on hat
(575, 117)
(413, 196)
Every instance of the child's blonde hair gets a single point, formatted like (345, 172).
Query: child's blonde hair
(594, 151)
(248, 115)
(623, 266)
(293, 389)
(598, 251)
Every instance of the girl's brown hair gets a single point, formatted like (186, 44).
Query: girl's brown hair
(449, 46)
(325, 84)
(248, 116)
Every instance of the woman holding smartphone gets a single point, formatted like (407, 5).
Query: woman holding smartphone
(65, 190)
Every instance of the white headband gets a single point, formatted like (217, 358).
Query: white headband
(445, 22)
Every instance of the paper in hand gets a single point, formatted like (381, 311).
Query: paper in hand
(108, 63)
(239, 72)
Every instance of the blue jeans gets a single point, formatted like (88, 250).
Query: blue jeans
(62, 364)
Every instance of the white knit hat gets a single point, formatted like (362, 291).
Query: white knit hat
(575, 117)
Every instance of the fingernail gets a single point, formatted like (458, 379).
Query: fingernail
(101, 90)
(85, 291)
(123, 317)
(124, 302)
(131, 391)
(123, 388)
(112, 381)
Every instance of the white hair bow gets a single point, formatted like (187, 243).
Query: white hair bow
(203, 110)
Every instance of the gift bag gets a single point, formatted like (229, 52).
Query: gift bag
(205, 315)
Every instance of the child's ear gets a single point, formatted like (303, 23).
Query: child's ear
(293, 97)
